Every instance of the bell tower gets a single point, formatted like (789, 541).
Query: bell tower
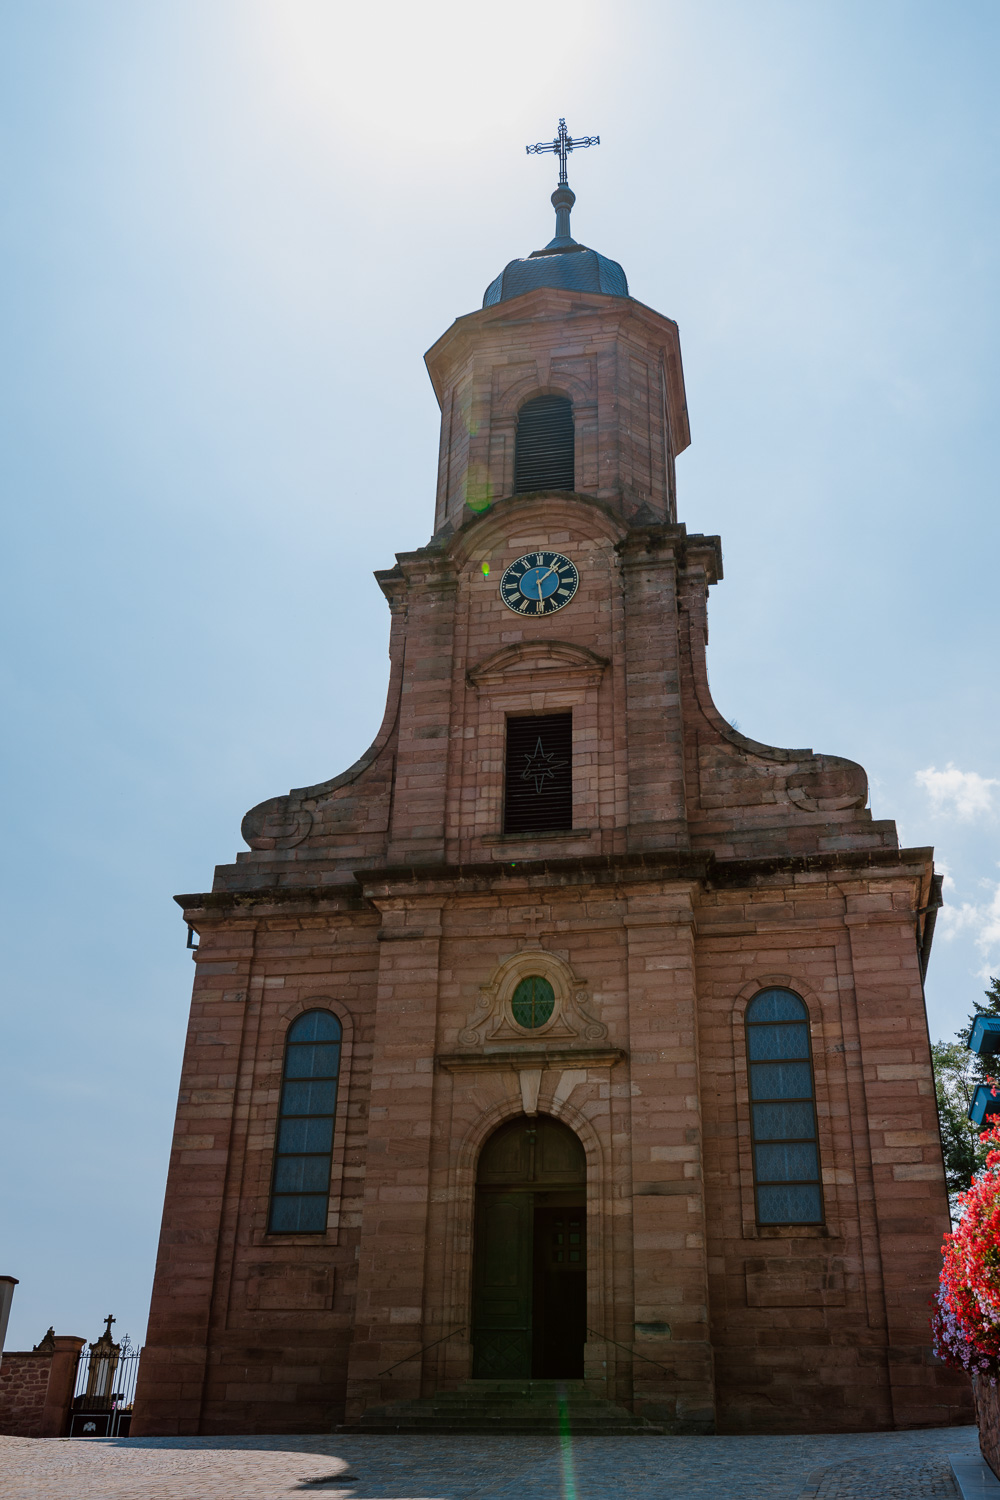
(561, 322)
(570, 1033)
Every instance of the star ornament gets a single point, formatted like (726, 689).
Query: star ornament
(540, 765)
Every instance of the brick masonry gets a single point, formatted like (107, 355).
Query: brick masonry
(36, 1389)
(701, 866)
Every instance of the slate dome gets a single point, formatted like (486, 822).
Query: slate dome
(563, 263)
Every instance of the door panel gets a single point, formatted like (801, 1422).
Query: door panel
(501, 1318)
(560, 1287)
(529, 1301)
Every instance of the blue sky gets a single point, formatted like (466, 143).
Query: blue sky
(229, 229)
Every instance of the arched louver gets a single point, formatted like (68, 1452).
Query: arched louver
(782, 1110)
(543, 446)
(300, 1188)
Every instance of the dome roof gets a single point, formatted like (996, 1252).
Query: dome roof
(563, 263)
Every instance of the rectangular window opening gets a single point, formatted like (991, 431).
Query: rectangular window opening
(539, 774)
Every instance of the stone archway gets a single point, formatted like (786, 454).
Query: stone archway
(529, 1293)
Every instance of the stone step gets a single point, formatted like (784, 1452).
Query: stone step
(518, 1407)
(474, 1398)
(502, 1429)
(495, 1403)
(451, 1414)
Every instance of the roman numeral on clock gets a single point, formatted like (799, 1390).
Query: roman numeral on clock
(538, 583)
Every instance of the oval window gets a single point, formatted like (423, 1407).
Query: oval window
(533, 1003)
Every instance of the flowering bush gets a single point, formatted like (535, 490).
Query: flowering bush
(966, 1320)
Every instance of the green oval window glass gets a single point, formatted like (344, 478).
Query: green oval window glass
(534, 1001)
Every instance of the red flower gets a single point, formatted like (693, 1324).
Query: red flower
(966, 1321)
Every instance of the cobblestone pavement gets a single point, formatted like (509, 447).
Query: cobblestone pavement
(860, 1480)
(890, 1466)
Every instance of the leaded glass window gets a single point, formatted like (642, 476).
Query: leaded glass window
(533, 1002)
(300, 1189)
(782, 1110)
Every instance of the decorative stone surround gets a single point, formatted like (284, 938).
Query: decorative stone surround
(493, 1020)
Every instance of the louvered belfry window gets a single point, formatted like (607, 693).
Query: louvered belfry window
(539, 777)
(543, 447)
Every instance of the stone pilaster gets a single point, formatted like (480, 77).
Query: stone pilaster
(417, 825)
(911, 1204)
(170, 1391)
(389, 1320)
(673, 1383)
(654, 725)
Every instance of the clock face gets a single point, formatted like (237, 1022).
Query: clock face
(539, 583)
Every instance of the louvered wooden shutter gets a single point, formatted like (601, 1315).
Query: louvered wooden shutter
(539, 779)
(543, 448)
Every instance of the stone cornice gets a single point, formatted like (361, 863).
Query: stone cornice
(690, 549)
(531, 1057)
(609, 869)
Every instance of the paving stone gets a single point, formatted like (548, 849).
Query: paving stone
(858, 1481)
(853, 1467)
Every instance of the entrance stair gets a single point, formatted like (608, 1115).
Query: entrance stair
(515, 1407)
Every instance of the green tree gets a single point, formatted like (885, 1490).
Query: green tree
(985, 1066)
(957, 1071)
(955, 1077)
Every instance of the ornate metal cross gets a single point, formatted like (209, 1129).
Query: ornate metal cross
(562, 146)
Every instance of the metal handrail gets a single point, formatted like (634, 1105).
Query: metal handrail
(407, 1357)
(634, 1352)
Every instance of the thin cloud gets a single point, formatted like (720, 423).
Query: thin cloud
(982, 921)
(965, 794)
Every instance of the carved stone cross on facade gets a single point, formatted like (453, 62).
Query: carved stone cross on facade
(562, 146)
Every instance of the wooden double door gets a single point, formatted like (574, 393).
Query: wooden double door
(529, 1315)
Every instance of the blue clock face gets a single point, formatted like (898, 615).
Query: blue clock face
(539, 583)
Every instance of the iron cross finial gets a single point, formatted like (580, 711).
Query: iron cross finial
(562, 146)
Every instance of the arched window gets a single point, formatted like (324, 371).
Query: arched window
(543, 445)
(782, 1110)
(300, 1188)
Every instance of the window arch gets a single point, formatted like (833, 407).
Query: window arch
(782, 1110)
(543, 445)
(303, 1147)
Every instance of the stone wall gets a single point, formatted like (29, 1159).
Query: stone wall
(987, 1399)
(36, 1389)
(24, 1381)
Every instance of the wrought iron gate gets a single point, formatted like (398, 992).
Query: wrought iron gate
(105, 1390)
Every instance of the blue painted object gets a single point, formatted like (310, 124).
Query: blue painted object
(985, 1106)
(985, 1038)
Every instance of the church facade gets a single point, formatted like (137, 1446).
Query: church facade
(570, 1033)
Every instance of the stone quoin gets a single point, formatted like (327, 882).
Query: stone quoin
(588, 1049)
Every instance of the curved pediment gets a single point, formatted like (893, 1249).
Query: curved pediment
(524, 659)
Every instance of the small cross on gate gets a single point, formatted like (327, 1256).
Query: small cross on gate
(562, 146)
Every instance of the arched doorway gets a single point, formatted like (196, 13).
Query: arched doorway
(529, 1275)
